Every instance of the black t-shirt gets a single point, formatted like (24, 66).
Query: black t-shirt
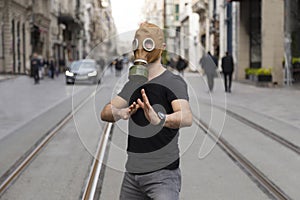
(35, 64)
(150, 147)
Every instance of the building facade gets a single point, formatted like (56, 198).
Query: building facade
(260, 37)
(24, 29)
(165, 14)
(189, 30)
(60, 30)
(253, 31)
(154, 12)
(180, 27)
(101, 31)
(71, 24)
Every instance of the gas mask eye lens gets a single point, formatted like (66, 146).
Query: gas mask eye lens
(148, 44)
(135, 44)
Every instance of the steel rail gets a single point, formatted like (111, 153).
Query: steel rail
(96, 167)
(254, 173)
(261, 129)
(12, 174)
(266, 132)
(288, 144)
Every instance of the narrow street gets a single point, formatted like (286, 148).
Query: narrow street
(226, 127)
(206, 169)
(60, 170)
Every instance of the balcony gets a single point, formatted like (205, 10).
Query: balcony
(65, 18)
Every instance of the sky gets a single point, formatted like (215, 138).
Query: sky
(127, 14)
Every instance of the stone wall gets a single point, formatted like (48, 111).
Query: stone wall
(16, 25)
(273, 37)
(243, 42)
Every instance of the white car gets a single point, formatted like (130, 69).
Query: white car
(83, 71)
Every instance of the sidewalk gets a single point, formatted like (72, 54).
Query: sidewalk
(4, 77)
(21, 100)
(280, 103)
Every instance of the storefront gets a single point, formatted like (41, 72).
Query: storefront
(293, 29)
(260, 38)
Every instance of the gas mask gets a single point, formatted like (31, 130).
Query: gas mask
(147, 46)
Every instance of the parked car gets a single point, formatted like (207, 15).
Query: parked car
(83, 71)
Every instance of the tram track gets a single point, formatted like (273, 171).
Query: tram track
(93, 178)
(15, 171)
(20, 165)
(268, 133)
(257, 176)
(94, 175)
(254, 173)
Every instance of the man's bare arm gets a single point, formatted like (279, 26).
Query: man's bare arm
(117, 109)
(182, 116)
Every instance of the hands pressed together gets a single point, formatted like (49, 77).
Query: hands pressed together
(144, 104)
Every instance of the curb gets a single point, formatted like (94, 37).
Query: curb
(5, 78)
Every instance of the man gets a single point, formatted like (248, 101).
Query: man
(35, 66)
(227, 69)
(118, 66)
(181, 65)
(52, 68)
(155, 110)
(209, 64)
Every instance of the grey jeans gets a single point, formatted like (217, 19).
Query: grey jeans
(159, 185)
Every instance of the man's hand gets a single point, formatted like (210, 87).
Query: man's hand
(125, 113)
(149, 112)
(117, 109)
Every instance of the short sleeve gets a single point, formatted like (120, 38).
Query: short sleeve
(177, 89)
(125, 92)
(128, 89)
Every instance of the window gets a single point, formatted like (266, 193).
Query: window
(176, 12)
(255, 34)
(1, 41)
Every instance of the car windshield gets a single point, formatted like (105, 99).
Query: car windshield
(82, 65)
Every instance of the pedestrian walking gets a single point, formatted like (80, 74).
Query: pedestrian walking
(209, 64)
(181, 65)
(41, 67)
(227, 70)
(173, 63)
(111, 66)
(58, 66)
(155, 111)
(101, 63)
(214, 58)
(119, 67)
(35, 66)
(125, 60)
(52, 68)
